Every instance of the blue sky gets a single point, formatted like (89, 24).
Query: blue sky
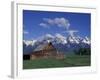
(40, 23)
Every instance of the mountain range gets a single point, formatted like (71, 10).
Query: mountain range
(61, 43)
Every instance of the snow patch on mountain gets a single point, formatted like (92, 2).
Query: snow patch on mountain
(60, 39)
(29, 42)
(86, 40)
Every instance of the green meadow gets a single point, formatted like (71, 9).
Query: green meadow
(68, 61)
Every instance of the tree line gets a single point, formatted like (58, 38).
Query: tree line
(83, 51)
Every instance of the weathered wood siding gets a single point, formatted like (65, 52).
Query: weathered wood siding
(47, 51)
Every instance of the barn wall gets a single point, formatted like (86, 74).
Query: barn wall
(48, 51)
(32, 57)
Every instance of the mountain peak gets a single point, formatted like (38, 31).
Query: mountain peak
(29, 42)
(86, 40)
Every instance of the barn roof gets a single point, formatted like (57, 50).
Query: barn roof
(41, 46)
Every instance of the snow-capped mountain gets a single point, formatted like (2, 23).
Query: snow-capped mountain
(78, 40)
(86, 40)
(31, 42)
(61, 42)
(60, 39)
(72, 39)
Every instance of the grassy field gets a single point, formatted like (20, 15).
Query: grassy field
(69, 61)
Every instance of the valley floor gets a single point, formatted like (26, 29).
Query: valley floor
(69, 61)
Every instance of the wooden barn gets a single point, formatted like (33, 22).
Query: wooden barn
(46, 51)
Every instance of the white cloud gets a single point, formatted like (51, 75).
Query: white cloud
(25, 32)
(60, 22)
(44, 25)
(49, 21)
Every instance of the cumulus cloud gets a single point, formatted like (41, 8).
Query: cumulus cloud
(48, 21)
(62, 22)
(59, 22)
(44, 25)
